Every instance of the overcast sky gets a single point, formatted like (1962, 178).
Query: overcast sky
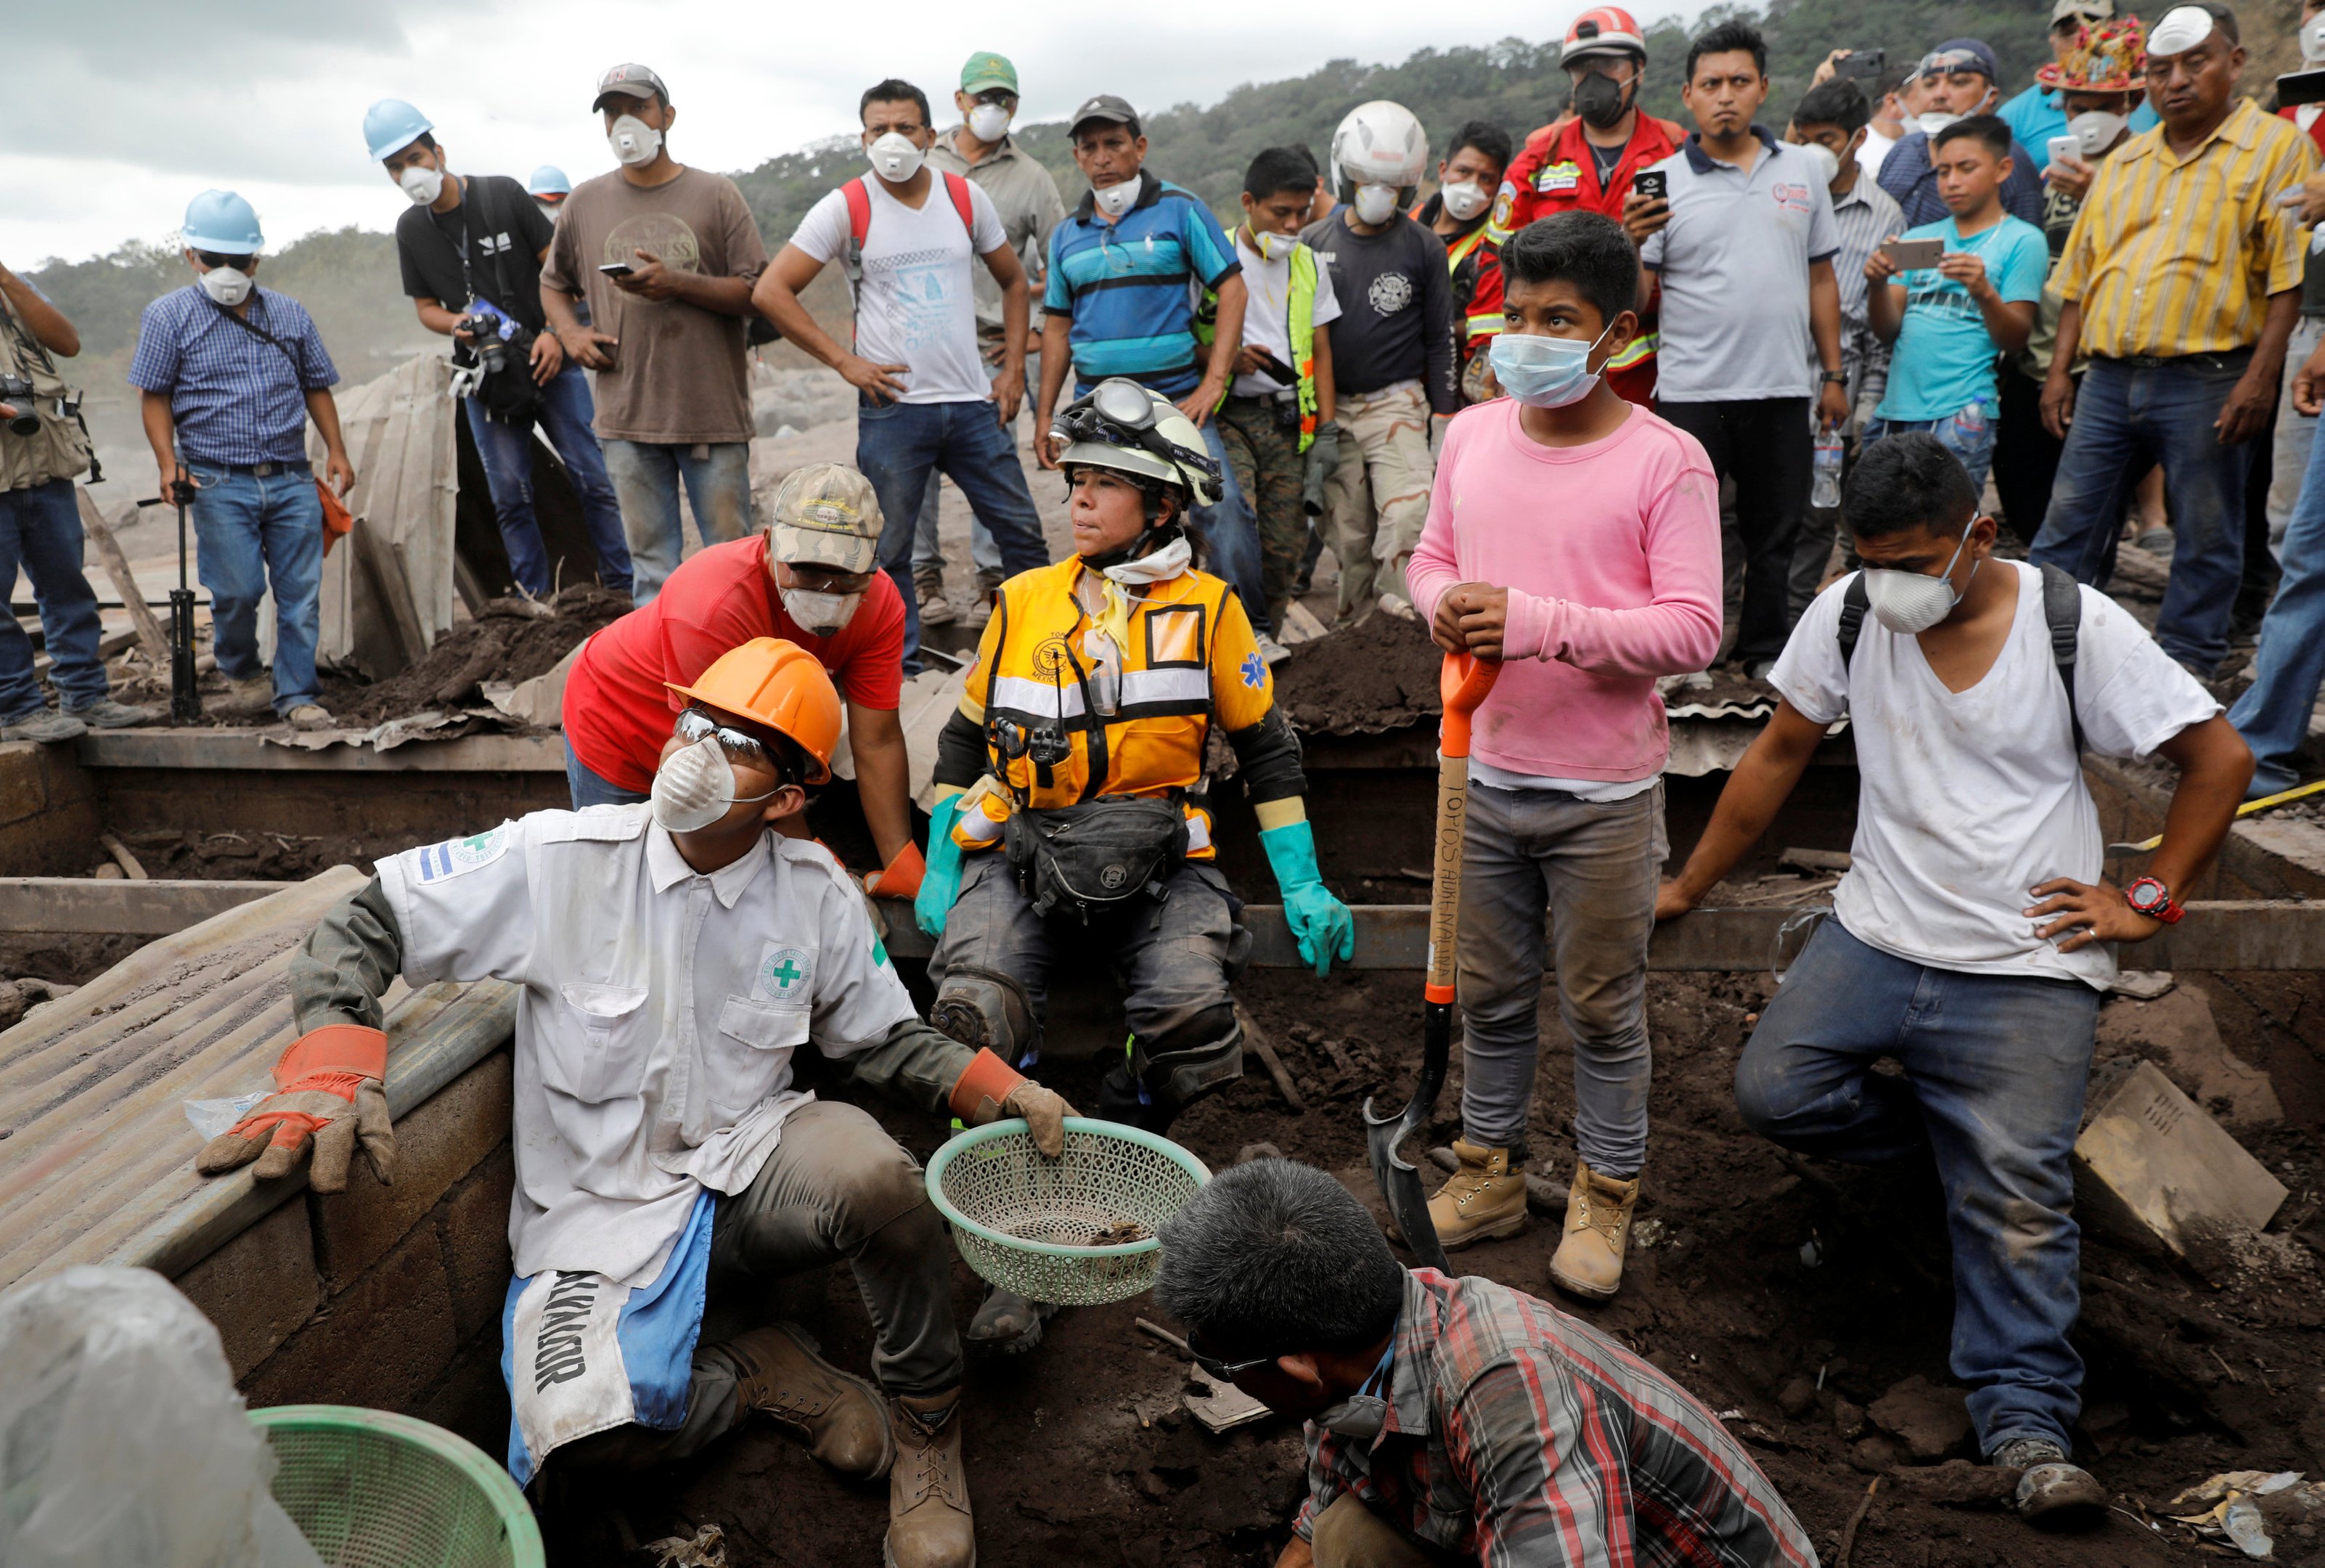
(138, 104)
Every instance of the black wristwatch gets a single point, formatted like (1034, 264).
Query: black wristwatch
(1833, 377)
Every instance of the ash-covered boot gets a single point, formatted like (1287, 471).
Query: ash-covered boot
(1589, 1261)
(929, 1522)
(1483, 1200)
(836, 1415)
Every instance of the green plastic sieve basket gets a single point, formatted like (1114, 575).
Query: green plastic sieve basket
(1025, 1222)
(370, 1489)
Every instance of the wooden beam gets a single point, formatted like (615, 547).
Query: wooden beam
(124, 581)
(63, 906)
(248, 749)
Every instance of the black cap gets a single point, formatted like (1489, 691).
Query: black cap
(1104, 106)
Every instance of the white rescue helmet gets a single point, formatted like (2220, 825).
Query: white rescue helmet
(1134, 430)
(1379, 144)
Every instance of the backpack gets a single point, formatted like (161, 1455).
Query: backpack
(2062, 613)
(858, 197)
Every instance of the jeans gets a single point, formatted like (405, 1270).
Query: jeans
(901, 445)
(256, 535)
(1230, 534)
(646, 475)
(1591, 869)
(984, 552)
(2272, 714)
(2296, 432)
(1974, 449)
(837, 1188)
(1764, 445)
(1995, 1069)
(2128, 419)
(40, 531)
(591, 788)
(564, 417)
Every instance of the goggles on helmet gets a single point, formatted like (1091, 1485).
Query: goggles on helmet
(1120, 414)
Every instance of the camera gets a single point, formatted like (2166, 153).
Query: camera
(484, 332)
(17, 392)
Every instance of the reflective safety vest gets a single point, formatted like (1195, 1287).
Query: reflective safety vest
(1303, 323)
(1474, 326)
(1043, 668)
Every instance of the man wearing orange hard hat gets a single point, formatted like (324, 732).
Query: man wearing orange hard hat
(672, 955)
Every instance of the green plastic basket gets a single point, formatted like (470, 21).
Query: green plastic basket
(1024, 1221)
(370, 1489)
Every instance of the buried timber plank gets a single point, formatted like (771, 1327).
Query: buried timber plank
(247, 749)
(68, 904)
(2151, 1163)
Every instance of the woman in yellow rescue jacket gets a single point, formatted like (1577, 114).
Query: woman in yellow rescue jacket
(1065, 824)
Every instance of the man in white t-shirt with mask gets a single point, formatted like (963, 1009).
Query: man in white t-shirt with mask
(906, 235)
(1972, 938)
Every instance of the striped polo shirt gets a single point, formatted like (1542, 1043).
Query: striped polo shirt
(1129, 286)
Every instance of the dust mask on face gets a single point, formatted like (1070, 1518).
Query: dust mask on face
(227, 285)
(1827, 162)
(1114, 200)
(634, 141)
(696, 787)
(1909, 603)
(1934, 120)
(1270, 245)
(1360, 1416)
(423, 185)
(1464, 201)
(819, 614)
(2096, 131)
(2313, 42)
(1375, 203)
(896, 157)
(988, 122)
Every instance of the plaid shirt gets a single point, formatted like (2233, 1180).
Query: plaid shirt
(1519, 1437)
(235, 397)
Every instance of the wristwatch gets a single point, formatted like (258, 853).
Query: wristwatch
(1833, 377)
(2151, 899)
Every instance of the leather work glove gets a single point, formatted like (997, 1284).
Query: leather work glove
(1323, 457)
(1321, 923)
(327, 1095)
(941, 869)
(900, 878)
(990, 1089)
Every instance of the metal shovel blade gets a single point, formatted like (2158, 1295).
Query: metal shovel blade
(1399, 1183)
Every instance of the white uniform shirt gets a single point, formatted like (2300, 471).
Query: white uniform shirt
(1968, 800)
(658, 1015)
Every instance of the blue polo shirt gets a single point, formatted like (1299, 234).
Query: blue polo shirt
(236, 399)
(1129, 286)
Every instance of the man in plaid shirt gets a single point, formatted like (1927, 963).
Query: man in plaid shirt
(1451, 1420)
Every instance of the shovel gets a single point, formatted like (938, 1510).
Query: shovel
(185, 701)
(1463, 684)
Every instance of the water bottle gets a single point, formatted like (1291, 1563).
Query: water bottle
(1969, 424)
(1826, 489)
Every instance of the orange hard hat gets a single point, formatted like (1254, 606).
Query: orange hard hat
(776, 683)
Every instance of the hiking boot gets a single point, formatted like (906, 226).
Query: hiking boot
(929, 1522)
(2160, 543)
(1008, 1323)
(1589, 1261)
(988, 583)
(936, 609)
(1483, 1200)
(104, 713)
(249, 696)
(310, 716)
(1271, 651)
(2054, 1491)
(838, 1417)
(42, 724)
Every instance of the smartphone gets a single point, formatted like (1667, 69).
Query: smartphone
(1862, 64)
(2297, 87)
(617, 269)
(1654, 183)
(2064, 150)
(1910, 254)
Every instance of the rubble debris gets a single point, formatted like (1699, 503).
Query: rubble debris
(2152, 1165)
(1931, 1421)
(508, 642)
(1815, 861)
(705, 1548)
(2243, 1511)
(1380, 673)
(2177, 1032)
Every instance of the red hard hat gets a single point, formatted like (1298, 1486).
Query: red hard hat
(1604, 30)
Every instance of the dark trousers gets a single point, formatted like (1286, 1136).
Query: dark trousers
(1764, 445)
(2026, 455)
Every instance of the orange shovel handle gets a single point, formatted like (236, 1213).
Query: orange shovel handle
(1462, 683)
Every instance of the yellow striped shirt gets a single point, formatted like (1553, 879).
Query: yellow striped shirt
(2177, 255)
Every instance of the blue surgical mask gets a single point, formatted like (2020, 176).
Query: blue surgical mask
(1544, 372)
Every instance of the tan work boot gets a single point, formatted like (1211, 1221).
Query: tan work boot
(1483, 1200)
(1589, 1261)
(837, 1417)
(929, 1523)
(936, 609)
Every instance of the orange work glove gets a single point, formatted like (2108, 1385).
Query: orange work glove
(900, 878)
(990, 1089)
(328, 1094)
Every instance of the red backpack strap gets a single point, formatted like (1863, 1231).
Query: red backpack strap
(859, 210)
(957, 188)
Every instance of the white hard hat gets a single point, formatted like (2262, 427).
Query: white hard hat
(1379, 144)
(1134, 430)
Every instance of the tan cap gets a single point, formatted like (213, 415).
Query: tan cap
(2090, 11)
(826, 515)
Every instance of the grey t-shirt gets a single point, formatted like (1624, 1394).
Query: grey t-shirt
(1026, 195)
(1734, 261)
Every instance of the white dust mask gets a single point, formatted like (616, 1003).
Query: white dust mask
(1827, 162)
(227, 285)
(1464, 201)
(1114, 200)
(896, 157)
(1908, 602)
(1932, 121)
(820, 615)
(988, 122)
(1359, 1416)
(2096, 131)
(2313, 42)
(1270, 245)
(423, 185)
(695, 787)
(1375, 203)
(634, 141)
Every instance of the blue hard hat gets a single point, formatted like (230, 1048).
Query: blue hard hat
(222, 222)
(391, 125)
(549, 179)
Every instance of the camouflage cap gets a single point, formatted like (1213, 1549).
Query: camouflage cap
(826, 515)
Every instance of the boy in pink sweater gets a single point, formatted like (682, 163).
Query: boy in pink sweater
(1576, 536)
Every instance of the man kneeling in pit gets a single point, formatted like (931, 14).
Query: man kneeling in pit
(672, 956)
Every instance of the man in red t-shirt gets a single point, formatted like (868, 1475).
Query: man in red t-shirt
(1587, 161)
(811, 579)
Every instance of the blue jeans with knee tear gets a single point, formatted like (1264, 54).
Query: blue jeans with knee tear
(1996, 1067)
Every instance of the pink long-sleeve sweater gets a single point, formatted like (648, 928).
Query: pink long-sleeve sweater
(1610, 553)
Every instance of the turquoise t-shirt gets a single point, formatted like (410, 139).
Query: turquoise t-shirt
(2038, 114)
(1943, 359)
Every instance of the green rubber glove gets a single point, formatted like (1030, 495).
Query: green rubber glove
(1320, 923)
(940, 883)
